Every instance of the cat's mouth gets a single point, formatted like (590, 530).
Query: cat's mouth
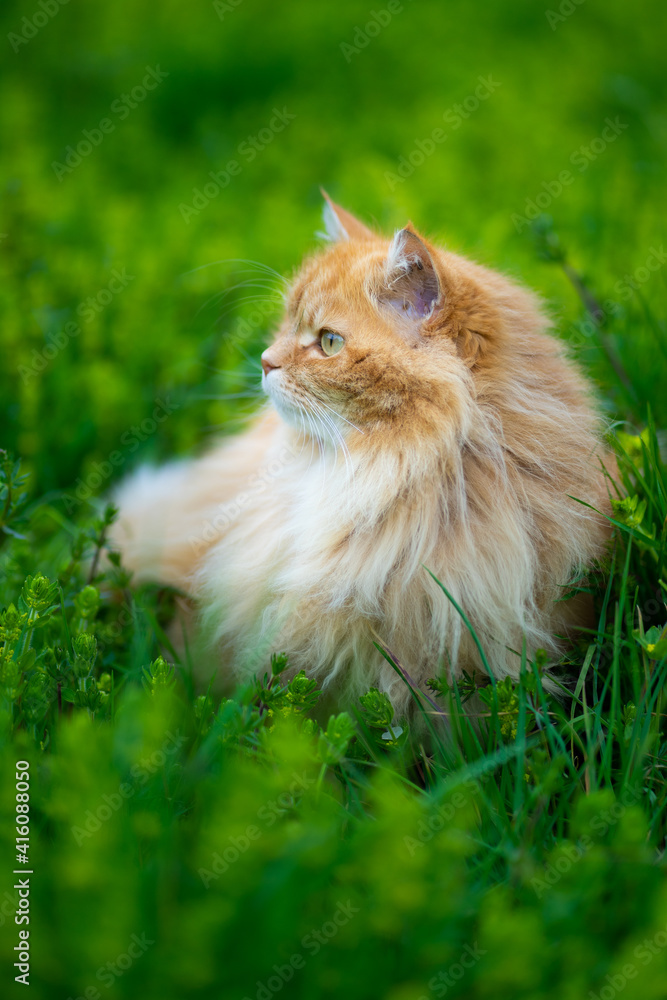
(312, 417)
(289, 407)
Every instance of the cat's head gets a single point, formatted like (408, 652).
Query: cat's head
(387, 334)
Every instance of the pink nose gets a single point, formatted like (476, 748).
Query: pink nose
(267, 366)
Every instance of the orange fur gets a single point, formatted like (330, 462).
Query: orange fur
(449, 432)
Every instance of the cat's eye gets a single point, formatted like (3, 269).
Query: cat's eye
(330, 342)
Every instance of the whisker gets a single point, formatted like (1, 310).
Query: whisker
(218, 296)
(332, 436)
(340, 416)
(229, 395)
(335, 436)
(311, 435)
(261, 301)
(239, 260)
(253, 362)
(240, 373)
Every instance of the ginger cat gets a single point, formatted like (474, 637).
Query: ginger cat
(420, 416)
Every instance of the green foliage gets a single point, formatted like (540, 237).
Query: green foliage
(377, 709)
(334, 741)
(201, 826)
(159, 674)
(12, 495)
(189, 314)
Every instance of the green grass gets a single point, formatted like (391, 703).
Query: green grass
(228, 832)
(252, 844)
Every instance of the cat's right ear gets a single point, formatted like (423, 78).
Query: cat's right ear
(412, 286)
(340, 225)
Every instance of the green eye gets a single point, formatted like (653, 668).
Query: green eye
(330, 342)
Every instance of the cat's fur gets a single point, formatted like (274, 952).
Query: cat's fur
(450, 432)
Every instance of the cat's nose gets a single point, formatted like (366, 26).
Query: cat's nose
(267, 365)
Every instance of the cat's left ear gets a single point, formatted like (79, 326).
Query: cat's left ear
(341, 225)
(412, 286)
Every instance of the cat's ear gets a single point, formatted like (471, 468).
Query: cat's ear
(341, 225)
(412, 286)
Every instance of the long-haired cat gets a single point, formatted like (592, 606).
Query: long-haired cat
(420, 416)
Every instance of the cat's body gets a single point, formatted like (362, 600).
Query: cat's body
(446, 430)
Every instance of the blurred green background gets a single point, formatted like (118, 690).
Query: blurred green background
(361, 100)
(178, 335)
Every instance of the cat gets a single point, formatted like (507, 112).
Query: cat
(421, 418)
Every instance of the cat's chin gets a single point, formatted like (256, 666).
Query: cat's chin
(290, 411)
(303, 417)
